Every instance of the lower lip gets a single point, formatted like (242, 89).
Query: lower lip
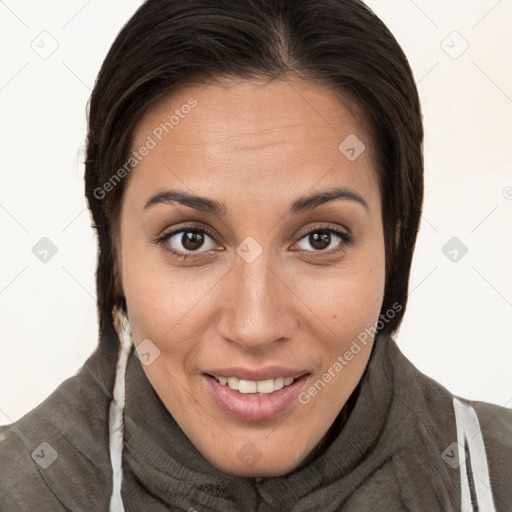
(252, 407)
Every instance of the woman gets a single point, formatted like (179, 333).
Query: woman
(255, 175)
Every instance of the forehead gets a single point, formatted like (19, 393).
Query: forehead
(235, 133)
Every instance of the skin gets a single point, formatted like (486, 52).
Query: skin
(256, 148)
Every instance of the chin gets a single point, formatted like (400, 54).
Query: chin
(251, 463)
(247, 472)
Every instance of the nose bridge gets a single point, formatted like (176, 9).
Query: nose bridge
(256, 311)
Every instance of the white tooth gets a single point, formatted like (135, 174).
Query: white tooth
(233, 383)
(265, 386)
(247, 386)
(278, 383)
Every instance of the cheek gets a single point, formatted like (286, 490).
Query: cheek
(347, 299)
(164, 303)
(157, 301)
(153, 299)
(348, 305)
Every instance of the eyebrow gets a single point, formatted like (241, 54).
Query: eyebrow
(219, 209)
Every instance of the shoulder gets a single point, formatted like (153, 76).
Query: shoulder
(495, 422)
(57, 453)
(434, 406)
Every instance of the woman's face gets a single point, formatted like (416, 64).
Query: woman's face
(251, 281)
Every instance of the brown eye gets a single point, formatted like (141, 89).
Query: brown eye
(319, 240)
(186, 241)
(323, 239)
(192, 240)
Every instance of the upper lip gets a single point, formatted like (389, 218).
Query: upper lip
(270, 372)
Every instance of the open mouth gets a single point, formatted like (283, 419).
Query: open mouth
(243, 400)
(259, 388)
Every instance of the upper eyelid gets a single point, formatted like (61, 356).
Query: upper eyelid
(172, 232)
(319, 227)
(208, 231)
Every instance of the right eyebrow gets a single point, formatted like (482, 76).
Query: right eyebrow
(192, 201)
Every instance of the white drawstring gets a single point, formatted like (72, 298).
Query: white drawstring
(116, 411)
(472, 462)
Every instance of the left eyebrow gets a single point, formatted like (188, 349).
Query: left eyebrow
(219, 209)
(306, 203)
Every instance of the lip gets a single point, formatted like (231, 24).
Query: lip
(253, 407)
(270, 372)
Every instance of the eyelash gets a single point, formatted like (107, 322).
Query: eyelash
(161, 240)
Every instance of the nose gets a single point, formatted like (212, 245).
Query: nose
(258, 307)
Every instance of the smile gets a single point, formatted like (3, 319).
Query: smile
(254, 400)
(252, 386)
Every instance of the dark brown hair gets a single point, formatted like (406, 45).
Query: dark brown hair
(168, 44)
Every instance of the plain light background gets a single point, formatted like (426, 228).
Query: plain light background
(457, 328)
